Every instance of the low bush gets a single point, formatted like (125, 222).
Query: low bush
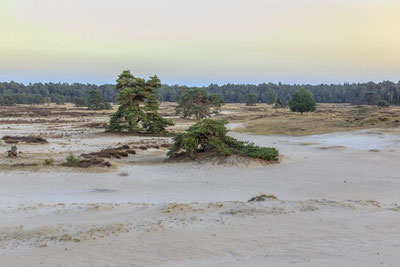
(210, 135)
(48, 162)
(383, 104)
(72, 159)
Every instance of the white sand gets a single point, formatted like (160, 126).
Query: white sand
(337, 207)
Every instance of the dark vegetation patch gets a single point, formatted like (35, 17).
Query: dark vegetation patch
(119, 152)
(22, 121)
(24, 139)
(96, 125)
(24, 165)
(73, 161)
(210, 136)
(262, 197)
(37, 111)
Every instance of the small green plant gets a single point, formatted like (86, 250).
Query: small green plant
(48, 162)
(210, 135)
(72, 159)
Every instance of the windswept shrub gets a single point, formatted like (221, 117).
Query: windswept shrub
(210, 135)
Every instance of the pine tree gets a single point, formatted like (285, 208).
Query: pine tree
(138, 110)
(96, 101)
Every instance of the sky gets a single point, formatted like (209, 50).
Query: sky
(198, 42)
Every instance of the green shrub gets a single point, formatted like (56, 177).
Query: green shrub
(72, 159)
(48, 162)
(211, 136)
(383, 104)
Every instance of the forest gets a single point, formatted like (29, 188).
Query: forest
(355, 93)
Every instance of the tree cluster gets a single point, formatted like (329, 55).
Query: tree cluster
(59, 93)
(196, 102)
(355, 93)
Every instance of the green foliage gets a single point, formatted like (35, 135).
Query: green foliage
(80, 102)
(302, 101)
(138, 110)
(196, 102)
(372, 98)
(251, 99)
(383, 104)
(40, 93)
(96, 101)
(355, 93)
(48, 162)
(72, 159)
(7, 100)
(211, 136)
(272, 96)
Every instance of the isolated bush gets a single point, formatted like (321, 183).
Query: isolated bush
(48, 162)
(302, 101)
(211, 136)
(383, 104)
(72, 159)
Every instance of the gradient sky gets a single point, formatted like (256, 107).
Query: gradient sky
(197, 42)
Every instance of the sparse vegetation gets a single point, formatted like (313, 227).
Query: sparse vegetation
(211, 136)
(327, 119)
(74, 161)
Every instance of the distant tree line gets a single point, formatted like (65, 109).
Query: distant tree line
(356, 93)
(42, 93)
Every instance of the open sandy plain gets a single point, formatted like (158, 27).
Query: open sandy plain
(337, 194)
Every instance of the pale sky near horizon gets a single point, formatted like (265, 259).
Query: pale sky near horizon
(197, 42)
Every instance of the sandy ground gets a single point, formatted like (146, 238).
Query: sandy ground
(337, 204)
